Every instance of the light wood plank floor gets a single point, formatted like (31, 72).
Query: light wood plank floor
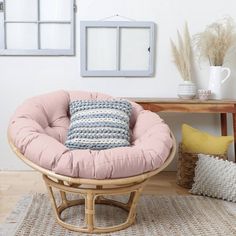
(13, 185)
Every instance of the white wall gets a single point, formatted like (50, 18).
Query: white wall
(23, 77)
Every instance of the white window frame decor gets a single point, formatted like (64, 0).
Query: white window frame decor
(118, 25)
(5, 51)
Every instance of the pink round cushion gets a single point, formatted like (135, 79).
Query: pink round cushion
(39, 128)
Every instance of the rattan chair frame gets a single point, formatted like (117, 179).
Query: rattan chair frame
(93, 192)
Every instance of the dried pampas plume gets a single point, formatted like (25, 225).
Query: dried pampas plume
(216, 40)
(182, 54)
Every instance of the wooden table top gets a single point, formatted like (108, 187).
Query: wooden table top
(180, 101)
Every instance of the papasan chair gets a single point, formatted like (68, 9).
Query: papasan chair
(37, 133)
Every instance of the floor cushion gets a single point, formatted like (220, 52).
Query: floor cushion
(215, 178)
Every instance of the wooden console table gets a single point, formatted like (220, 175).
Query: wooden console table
(193, 106)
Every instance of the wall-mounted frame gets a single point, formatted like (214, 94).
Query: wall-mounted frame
(37, 27)
(117, 48)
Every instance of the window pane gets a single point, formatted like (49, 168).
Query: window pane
(21, 36)
(134, 48)
(55, 36)
(101, 48)
(21, 10)
(55, 10)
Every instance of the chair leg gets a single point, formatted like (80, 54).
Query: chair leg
(90, 211)
(53, 201)
(131, 197)
(134, 196)
(63, 195)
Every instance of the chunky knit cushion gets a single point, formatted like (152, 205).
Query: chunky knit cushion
(98, 125)
(215, 178)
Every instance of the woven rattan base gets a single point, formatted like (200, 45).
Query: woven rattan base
(93, 195)
(186, 167)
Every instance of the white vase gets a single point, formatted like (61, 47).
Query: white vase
(217, 78)
(187, 90)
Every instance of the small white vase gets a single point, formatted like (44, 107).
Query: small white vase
(217, 78)
(187, 90)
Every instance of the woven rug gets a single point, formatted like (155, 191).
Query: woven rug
(156, 216)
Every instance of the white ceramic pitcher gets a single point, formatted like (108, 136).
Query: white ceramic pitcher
(217, 78)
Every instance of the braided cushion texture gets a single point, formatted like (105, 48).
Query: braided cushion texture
(99, 125)
(39, 129)
(215, 178)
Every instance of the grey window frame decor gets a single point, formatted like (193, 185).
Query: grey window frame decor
(84, 25)
(4, 51)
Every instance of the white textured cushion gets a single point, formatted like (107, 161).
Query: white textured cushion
(215, 178)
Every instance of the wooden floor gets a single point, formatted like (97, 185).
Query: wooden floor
(13, 185)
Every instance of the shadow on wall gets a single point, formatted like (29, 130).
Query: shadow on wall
(229, 87)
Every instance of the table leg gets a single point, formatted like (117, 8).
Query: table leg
(223, 121)
(234, 133)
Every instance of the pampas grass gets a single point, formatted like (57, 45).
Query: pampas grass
(182, 54)
(216, 40)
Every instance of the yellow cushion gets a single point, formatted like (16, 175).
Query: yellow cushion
(196, 141)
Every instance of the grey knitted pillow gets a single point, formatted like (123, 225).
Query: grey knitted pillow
(98, 125)
(215, 178)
